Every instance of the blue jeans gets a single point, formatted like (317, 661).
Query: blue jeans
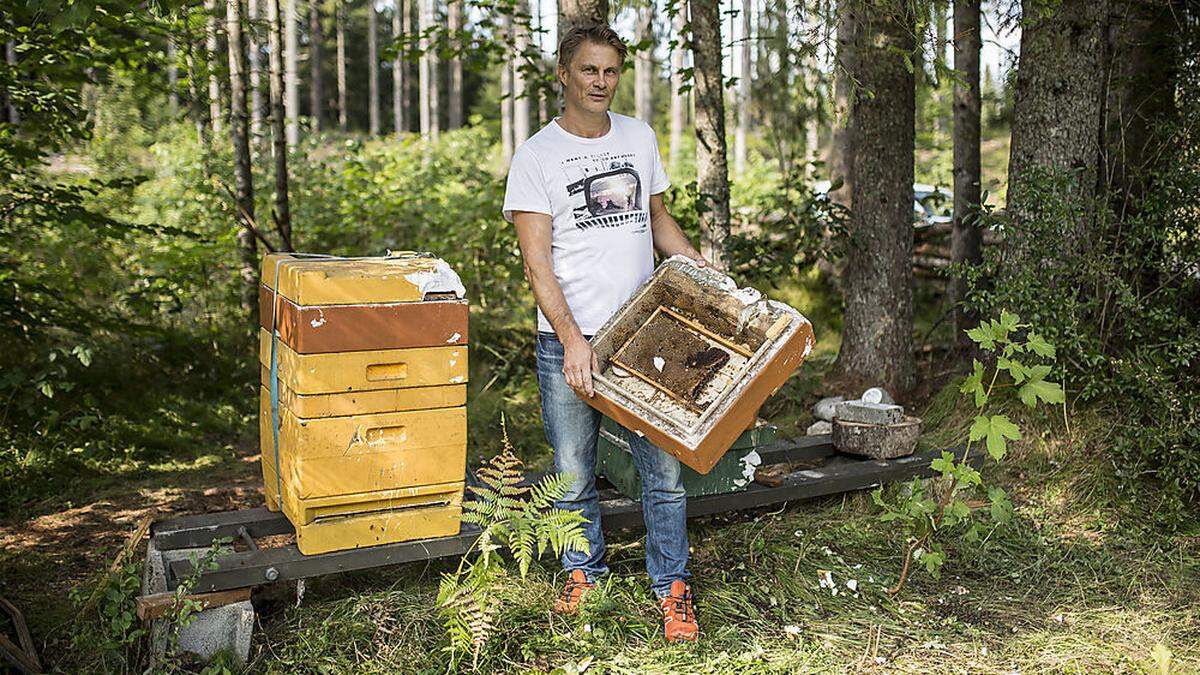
(572, 428)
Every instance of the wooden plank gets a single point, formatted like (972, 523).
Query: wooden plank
(202, 529)
(156, 605)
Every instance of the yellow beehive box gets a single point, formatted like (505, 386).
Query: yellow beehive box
(336, 372)
(370, 519)
(363, 402)
(321, 281)
(362, 453)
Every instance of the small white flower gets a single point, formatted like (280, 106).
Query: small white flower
(1059, 617)
(825, 577)
(792, 630)
(983, 650)
(587, 627)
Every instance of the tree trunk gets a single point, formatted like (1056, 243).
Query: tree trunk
(340, 28)
(211, 46)
(878, 323)
(506, 94)
(643, 65)
(839, 140)
(455, 112)
(1143, 50)
(543, 112)
(195, 106)
(373, 112)
(239, 132)
(316, 90)
(743, 93)
(172, 78)
(712, 169)
(1059, 96)
(521, 93)
(572, 13)
(255, 68)
(10, 108)
(428, 73)
(283, 212)
(966, 238)
(291, 57)
(678, 97)
(399, 107)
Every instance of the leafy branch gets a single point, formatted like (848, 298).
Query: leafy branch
(1025, 359)
(519, 517)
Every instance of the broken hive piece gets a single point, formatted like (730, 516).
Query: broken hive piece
(722, 351)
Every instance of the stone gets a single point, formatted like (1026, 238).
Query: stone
(877, 441)
(819, 428)
(826, 407)
(869, 413)
(876, 395)
(227, 629)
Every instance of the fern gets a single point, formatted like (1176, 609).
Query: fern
(509, 515)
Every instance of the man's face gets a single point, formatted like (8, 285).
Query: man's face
(590, 80)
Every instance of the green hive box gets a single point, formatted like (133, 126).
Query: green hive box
(731, 473)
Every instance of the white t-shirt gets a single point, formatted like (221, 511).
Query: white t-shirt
(597, 190)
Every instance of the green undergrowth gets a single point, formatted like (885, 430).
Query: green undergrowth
(1080, 581)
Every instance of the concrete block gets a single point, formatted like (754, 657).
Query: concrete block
(869, 413)
(228, 628)
(877, 441)
(819, 428)
(827, 407)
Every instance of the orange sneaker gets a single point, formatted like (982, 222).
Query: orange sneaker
(572, 596)
(679, 617)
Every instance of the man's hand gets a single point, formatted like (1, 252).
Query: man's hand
(579, 362)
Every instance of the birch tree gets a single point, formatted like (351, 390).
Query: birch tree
(712, 168)
(316, 90)
(679, 53)
(373, 112)
(399, 86)
(743, 92)
(239, 132)
(254, 64)
(521, 93)
(291, 62)
(282, 211)
(966, 237)
(643, 64)
(211, 45)
(340, 67)
(454, 87)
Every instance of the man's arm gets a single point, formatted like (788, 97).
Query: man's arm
(669, 238)
(534, 231)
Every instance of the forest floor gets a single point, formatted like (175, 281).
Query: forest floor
(1080, 581)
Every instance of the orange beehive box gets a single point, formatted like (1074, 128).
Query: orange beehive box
(690, 358)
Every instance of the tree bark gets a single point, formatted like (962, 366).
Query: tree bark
(506, 94)
(316, 89)
(195, 106)
(712, 169)
(678, 97)
(211, 46)
(292, 72)
(283, 213)
(743, 92)
(878, 323)
(454, 114)
(239, 132)
(255, 68)
(572, 13)
(966, 238)
(1057, 111)
(373, 112)
(340, 28)
(399, 107)
(643, 65)
(10, 109)
(521, 93)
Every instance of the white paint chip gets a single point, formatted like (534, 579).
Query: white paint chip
(454, 338)
(659, 363)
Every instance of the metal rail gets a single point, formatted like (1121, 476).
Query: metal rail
(255, 566)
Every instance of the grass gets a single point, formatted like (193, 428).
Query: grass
(1075, 584)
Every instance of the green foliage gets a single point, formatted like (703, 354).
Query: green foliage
(1022, 360)
(521, 518)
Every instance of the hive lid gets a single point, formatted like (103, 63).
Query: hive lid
(401, 277)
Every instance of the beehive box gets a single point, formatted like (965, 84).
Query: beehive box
(370, 365)
(732, 473)
(690, 358)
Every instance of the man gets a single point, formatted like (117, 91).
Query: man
(585, 195)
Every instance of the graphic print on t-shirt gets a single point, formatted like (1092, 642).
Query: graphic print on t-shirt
(606, 191)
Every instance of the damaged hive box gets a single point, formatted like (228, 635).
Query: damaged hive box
(732, 473)
(690, 358)
(368, 445)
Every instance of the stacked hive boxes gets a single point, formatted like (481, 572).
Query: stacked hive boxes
(370, 363)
